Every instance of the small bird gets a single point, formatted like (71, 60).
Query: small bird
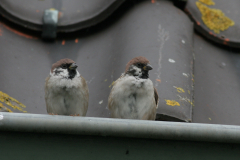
(133, 95)
(66, 91)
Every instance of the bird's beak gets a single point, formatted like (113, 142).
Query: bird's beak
(147, 67)
(73, 66)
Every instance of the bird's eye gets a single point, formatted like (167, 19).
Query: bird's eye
(64, 66)
(138, 64)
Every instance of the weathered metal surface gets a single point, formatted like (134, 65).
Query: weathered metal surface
(102, 138)
(73, 14)
(50, 20)
(140, 29)
(217, 83)
(218, 21)
(29, 146)
(19, 122)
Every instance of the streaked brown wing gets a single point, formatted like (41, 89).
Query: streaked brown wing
(111, 104)
(86, 94)
(156, 96)
(46, 93)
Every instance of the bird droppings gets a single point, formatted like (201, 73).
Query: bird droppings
(76, 40)
(11, 102)
(171, 60)
(185, 74)
(214, 19)
(159, 80)
(172, 103)
(163, 36)
(88, 82)
(207, 2)
(63, 42)
(183, 41)
(224, 64)
(179, 90)
(185, 99)
(100, 102)
(1, 117)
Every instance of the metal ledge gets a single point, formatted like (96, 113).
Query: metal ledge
(20, 122)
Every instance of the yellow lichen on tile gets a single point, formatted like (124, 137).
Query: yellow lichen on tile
(179, 90)
(5, 98)
(2, 106)
(172, 103)
(192, 103)
(214, 19)
(188, 92)
(112, 84)
(207, 2)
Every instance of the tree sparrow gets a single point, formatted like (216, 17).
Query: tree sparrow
(133, 95)
(66, 91)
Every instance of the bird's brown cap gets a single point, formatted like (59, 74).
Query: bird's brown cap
(60, 62)
(136, 60)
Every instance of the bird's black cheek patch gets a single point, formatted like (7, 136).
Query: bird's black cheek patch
(71, 73)
(57, 72)
(145, 75)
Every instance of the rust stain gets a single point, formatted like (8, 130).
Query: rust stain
(210, 33)
(76, 40)
(159, 80)
(198, 23)
(227, 39)
(17, 32)
(60, 14)
(153, 1)
(37, 11)
(0, 32)
(63, 42)
(5, 98)
(225, 43)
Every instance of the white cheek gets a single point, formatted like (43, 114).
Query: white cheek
(138, 71)
(63, 73)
